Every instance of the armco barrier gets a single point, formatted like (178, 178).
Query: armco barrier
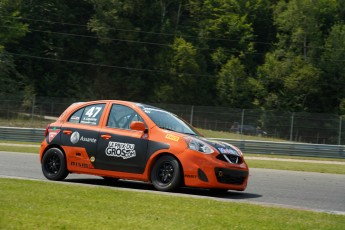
(21, 134)
(288, 148)
(247, 146)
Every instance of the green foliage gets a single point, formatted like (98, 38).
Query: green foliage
(268, 54)
(333, 57)
(11, 30)
(287, 81)
(233, 84)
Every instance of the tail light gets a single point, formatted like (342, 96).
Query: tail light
(46, 132)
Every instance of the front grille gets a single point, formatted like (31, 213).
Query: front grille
(231, 158)
(230, 176)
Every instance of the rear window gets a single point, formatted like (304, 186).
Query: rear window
(89, 115)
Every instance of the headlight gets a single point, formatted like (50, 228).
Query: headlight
(198, 145)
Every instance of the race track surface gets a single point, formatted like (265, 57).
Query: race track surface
(300, 190)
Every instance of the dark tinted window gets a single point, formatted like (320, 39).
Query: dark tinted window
(121, 117)
(75, 118)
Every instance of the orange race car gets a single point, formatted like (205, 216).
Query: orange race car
(126, 140)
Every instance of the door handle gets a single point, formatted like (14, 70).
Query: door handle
(106, 136)
(68, 132)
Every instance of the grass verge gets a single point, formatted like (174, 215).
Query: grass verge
(294, 157)
(228, 135)
(297, 166)
(32, 147)
(20, 149)
(41, 205)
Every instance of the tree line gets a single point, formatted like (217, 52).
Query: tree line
(264, 54)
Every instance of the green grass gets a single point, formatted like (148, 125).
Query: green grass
(294, 157)
(24, 149)
(228, 135)
(25, 122)
(297, 166)
(20, 142)
(42, 205)
(20, 149)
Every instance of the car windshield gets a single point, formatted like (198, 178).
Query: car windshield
(166, 120)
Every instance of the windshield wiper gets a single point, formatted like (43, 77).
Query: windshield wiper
(193, 134)
(167, 128)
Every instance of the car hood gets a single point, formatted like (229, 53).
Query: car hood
(222, 147)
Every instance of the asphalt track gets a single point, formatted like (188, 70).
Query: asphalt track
(319, 192)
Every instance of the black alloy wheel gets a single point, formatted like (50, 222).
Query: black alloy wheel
(166, 174)
(54, 165)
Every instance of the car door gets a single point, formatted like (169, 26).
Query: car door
(80, 134)
(119, 147)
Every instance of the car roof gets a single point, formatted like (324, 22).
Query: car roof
(80, 104)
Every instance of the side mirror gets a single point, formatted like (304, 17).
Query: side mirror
(137, 125)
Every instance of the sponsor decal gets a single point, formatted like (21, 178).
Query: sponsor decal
(52, 134)
(91, 115)
(228, 151)
(88, 139)
(75, 137)
(118, 149)
(80, 165)
(172, 137)
(190, 176)
(75, 119)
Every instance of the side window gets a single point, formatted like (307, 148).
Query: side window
(75, 118)
(89, 115)
(121, 117)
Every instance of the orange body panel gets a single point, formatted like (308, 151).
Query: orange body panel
(199, 169)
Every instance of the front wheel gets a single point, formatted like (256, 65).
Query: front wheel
(54, 165)
(166, 174)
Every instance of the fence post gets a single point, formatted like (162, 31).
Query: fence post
(191, 115)
(33, 107)
(292, 124)
(242, 120)
(340, 124)
(8, 110)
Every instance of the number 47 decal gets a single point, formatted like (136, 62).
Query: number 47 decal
(93, 111)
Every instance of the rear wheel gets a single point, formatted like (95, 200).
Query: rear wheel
(166, 174)
(54, 165)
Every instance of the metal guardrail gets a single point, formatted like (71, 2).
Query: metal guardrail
(288, 148)
(21, 134)
(247, 146)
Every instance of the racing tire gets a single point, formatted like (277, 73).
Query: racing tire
(54, 165)
(166, 174)
(110, 179)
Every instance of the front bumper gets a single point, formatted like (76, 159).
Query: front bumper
(210, 171)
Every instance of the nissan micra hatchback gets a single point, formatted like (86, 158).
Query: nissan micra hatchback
(126, 140)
